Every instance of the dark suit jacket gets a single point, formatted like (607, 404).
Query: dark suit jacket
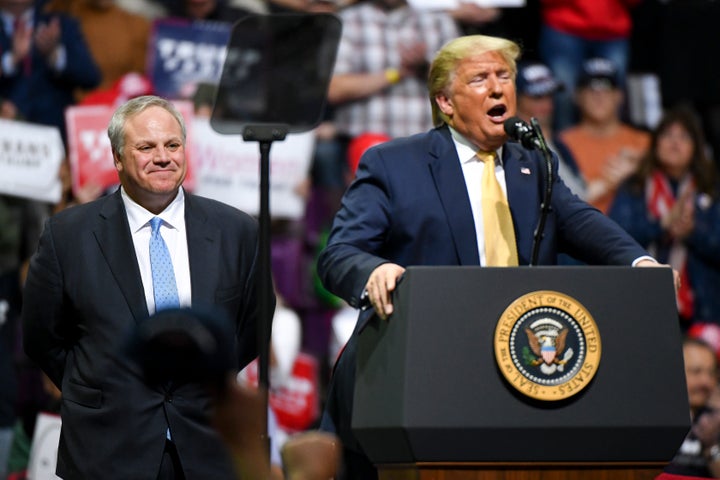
(84, 296)
(409, 205)
(42, 94)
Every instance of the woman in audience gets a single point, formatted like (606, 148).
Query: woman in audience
(671, 207)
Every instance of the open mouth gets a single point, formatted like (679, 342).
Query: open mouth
(497, 113)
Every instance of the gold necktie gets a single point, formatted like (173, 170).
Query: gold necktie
(500, 248)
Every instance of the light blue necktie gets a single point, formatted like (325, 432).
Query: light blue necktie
(163, 276)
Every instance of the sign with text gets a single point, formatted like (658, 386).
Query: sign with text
(91, 160)
(186, 53)
(30, 158)
(228, 170)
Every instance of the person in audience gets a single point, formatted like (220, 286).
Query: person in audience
(43, 59)
(699, 454)
(573, 31)
(707, 332)
(118, 39)
(312, 455)
(378, 85)
(308, 455)
(672, 207)
(606, 150)
(536, 86)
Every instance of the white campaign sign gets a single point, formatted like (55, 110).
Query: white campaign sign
(30, 158)
(44, 448)
(228, 169)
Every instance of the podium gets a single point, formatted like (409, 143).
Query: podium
(432, 401)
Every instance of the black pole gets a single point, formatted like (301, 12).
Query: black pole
(545, 206)
(265, 292)
(265, 136)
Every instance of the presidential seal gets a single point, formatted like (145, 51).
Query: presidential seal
(547, 345)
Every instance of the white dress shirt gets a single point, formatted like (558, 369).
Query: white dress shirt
(175, 235)
(472, 168)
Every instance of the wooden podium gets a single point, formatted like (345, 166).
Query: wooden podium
(520, 471)
(431, 401)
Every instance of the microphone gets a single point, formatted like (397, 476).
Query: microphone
(522, 132)
(530, 137)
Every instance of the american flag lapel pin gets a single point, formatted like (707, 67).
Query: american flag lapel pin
(525, 171)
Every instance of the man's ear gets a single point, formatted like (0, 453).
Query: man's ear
(117, 161)
(445, 104)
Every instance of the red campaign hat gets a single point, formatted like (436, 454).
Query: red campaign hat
(360, 144)
(126, 87)
(100, 97)
(707, 332)
(133, 85)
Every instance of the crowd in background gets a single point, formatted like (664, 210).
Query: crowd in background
(656, 175)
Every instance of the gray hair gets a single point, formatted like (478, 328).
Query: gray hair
(116, 128)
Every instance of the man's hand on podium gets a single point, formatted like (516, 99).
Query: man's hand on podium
(653, 263)
(379, 288)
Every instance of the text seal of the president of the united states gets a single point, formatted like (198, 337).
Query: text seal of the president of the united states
(547, 345)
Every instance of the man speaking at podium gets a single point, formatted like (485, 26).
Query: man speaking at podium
(459, 194)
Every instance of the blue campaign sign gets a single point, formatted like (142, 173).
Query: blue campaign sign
(186, 53)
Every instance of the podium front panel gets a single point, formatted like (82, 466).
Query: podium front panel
(429, 389)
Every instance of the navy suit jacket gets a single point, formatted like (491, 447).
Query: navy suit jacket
(42, 94)
(83, 298)
(409, 205)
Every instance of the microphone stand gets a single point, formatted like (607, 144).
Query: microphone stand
(545, 206)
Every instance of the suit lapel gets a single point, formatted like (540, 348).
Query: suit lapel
(522, 178)
(203, 249)
(115, 241)
(447, 174)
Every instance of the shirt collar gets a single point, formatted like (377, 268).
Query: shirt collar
(139, 217)
(466, 150)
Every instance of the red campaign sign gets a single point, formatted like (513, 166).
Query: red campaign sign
(296, 403)
(91, 160)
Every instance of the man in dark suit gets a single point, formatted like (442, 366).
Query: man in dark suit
(419, 201)
(91, 282)
(43, 59)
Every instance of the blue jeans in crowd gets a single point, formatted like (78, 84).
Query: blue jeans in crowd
(565, 54)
